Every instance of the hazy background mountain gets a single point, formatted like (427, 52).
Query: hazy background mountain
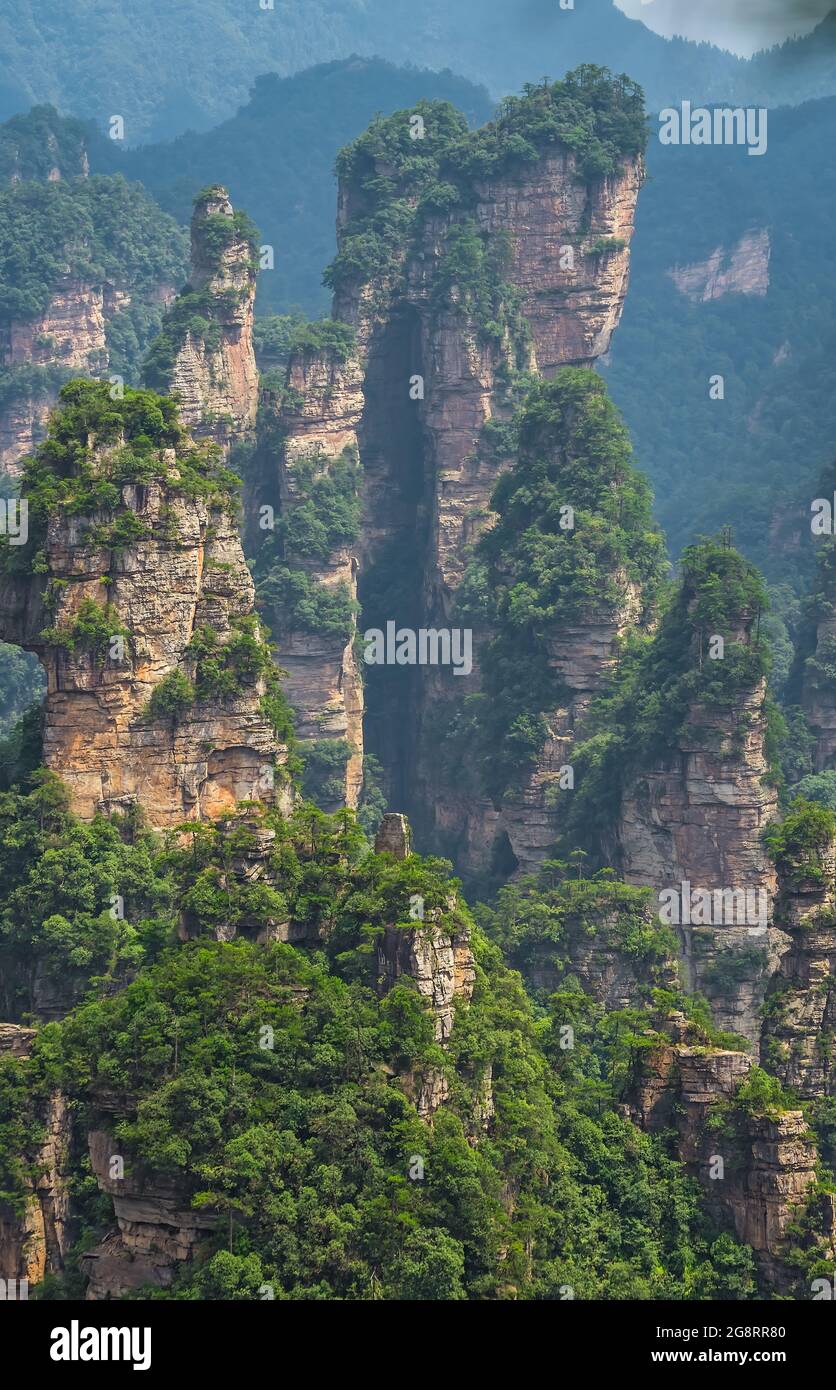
(165, 68)
(276, 157)
(751, 241)
(744, 26)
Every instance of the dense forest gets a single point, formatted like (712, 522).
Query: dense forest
(321, 982)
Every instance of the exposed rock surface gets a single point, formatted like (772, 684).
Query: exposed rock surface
(316, 425)
(614, 977)
(215, 378)
(742, 269)
(156, 1231)
(581, 657)
(756, 1171)
(437, 957)
(427, 477)
(799, 1030)
(34, 1238)
(697, 819)
(100, 737)
(70, 335)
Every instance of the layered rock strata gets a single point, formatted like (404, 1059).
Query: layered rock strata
(694, 822)
(156, 1229)
(757, 1171)
(799, 1029)
(415, 398)
(103, 736)
(34, 1238)
(213, 373)
(436, 958)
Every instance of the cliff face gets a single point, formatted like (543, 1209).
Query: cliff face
(426, 377)
(799, 1029)
(119, 595)
(156, 1229)
(310, 433)
(34, 1240)
(740, 269)
(756, 1171)
(210, 367)
(694, 820)
(69, 338)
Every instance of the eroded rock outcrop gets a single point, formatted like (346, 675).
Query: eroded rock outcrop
(141, 612)
(35, 1235)
(799, 1029)
(306, 438)
(204, 356)
(740, 269)
(69, 338)
(436, 956)
(693, 822)
(157, 1230)
(434, 360)
(757, 1170)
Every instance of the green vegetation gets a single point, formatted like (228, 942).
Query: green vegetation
(28, 382)
(597, 116)
(35, 145)
(662, 678)
(60, 933)
(21, 685)
(303, 121)
(198, 314)
(219, 670)
(92, 230)
(219, 233)
(762, 1094)
(227, 668)
(730, 968)
(373, 801)
(543, 568)
(174, 695)
(472, 276)
(92, 629)
(325, 1181)
(273, 337)
(328, 336)
(97, 442)
(296, 602)
(398, 180)
(772, 349)
(323, 781)
(323, 516)
(95, 61)
(798, 844)
(545, 924)
(819, 786)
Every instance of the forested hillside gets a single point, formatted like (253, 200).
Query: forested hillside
(326, 977)
(734, 274)
(92, 59)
